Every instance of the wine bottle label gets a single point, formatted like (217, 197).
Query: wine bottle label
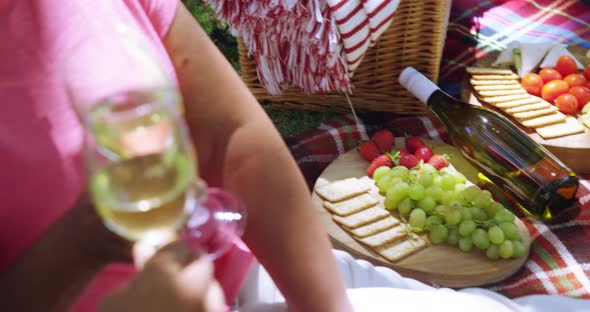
(417, 84)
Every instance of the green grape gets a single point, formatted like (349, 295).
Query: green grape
(517, 249)
(459, 188)
(397, 192)
(416, 191)
(384, 184)
(465, 244)
(405, 206)
(439, 233)
(390, 204)
(428, 169)
(478, 214)
(437, 181)
(417, 218)
(435, 192)
(480, 238)
(448, 197)
(455, 204)
(510, 230)
(400, 172)
(426, 179)
(448, 182)
(432, 220)
(380, 172)
(483, 199)
(453, 237)
(466, 213)
(459, 177)
(467, 227)
(470, 193)
(493, 208)
(506, 249)
(453, 217)
(504, 216)
(441, 210)
(427, 204)
(493, 252)
(414, 175)
(495, 234)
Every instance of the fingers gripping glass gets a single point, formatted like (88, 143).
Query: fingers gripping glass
(141, 165)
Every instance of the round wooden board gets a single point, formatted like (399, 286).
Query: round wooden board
(441, 264)
(573, 149)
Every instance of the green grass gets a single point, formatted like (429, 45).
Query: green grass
(288, 122)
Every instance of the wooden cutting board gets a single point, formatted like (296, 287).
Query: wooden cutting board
(440, 264)
(573, 149)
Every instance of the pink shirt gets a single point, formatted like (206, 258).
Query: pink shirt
(40, 137)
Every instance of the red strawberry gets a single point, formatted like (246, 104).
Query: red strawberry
(402, 151)
(412, 143)
(438, 161)
(423, 153)
(369, 150)
(384, 140)
(409, 161)
(382, 160)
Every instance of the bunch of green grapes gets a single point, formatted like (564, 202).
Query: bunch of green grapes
(451, 211)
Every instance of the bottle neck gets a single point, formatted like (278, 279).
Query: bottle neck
(417, 84)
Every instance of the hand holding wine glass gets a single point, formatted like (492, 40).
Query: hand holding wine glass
(141, 164)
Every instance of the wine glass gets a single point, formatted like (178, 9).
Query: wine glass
(142, 168)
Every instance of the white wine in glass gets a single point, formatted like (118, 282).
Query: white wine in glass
(141, 164)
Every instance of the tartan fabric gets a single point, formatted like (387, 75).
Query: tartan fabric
(559, 261)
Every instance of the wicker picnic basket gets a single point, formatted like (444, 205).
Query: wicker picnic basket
(415, 38)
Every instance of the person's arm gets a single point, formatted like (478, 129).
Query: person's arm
(240, 149)
(52, 273)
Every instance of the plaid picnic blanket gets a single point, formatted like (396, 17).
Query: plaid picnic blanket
(559, 261)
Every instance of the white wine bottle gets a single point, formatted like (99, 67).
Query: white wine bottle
(542, 186)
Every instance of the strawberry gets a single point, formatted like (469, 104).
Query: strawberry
(412, 143)
(384, 140)
(402, 151)
(408, 160)
(438, 161)
(369, 150)
(382, 160)
(423, 153)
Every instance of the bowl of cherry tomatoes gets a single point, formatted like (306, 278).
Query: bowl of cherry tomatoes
(564, 85)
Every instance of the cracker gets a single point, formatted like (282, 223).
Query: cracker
(501, 92)
(528, 107)
(534, 113)
(490, 71)
(386, 236)
(511, 76)
(546, 120)
(374, 227)
(505, 98)
(397, 251)
(341, 189)
(351, 205)
(363, 217)
(515, 103)
(497, 87)
(569, 127)
(493, 82)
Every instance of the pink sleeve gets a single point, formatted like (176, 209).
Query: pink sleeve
(161, 14)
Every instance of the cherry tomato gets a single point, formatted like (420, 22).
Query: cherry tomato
(553, 89)
(567, 103)
(575, 80)
(532, 83)
(582, 94)
(566, 65)
(548, 74)
(587, 72)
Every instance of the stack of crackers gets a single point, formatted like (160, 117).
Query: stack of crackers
(501, 88)
(356, 207)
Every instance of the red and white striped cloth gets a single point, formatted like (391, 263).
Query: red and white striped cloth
(313, 45)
